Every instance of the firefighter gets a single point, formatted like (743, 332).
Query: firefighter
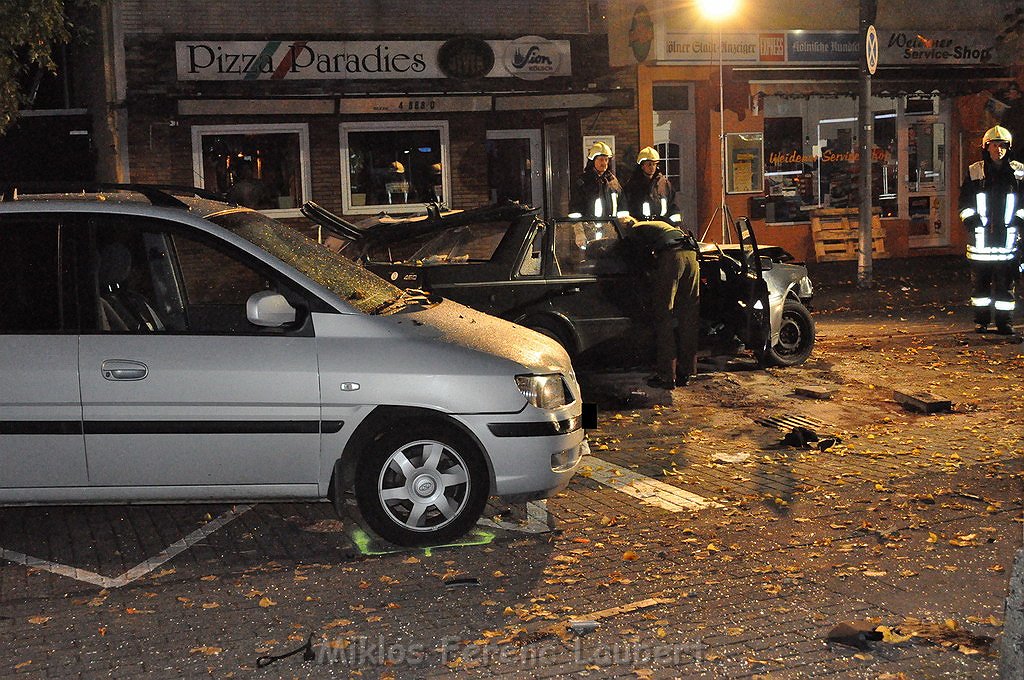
(597, 193)
(649, 194)
(992, 211)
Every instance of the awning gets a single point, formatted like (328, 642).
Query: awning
(949, 81)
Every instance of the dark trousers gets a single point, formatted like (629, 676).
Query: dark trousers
(994, 281)
(676, 302)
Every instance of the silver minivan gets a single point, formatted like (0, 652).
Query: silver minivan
(160, 346)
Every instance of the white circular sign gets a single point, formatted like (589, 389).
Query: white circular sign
(871, 49)
(532, 57)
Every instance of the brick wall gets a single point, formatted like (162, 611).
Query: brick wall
(366, 17)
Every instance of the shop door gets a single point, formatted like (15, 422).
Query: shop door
(927, 168)
(514, 165)
(557, 175)
(675, 140)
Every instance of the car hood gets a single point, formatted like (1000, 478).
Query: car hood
(460, 326)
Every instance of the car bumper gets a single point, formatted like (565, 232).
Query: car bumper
(531, 458)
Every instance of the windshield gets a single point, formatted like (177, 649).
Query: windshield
(362, 289)
(470, 243)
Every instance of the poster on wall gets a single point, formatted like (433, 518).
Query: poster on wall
(744, 151)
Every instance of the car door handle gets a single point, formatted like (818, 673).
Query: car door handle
(123, 369)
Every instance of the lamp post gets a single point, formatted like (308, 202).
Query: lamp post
(717, 11)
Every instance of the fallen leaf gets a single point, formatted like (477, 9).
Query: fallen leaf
(733, 631)
(23, 664)
(892, 636)
(38, 619)
(208, 651)
(133, 610)
(210, 605)
(629, 555)
(266, 602)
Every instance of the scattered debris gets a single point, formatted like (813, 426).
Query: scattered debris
(562, 629)
(730, 457)
(800, 437)
(307, 654)
(923, 402)
(860, 635)
(814, 392)
(463, 581)
(856, 634)
(582, 628)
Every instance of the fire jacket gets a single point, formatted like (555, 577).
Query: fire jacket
(992, 210)
(596, 195)
(651, 197)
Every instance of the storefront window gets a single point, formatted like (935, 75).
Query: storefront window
(265, 167)
(812, 160)
(396, 167)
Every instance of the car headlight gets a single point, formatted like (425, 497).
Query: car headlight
(544, 391)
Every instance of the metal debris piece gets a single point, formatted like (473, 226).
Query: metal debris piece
(581, 628)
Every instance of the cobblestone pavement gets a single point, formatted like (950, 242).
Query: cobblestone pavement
(693, 543)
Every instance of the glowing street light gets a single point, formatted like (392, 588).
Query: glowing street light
(718, 11)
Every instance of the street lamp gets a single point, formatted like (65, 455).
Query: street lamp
(718, 11)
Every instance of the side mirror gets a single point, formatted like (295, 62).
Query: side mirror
(270, 309)
(766, 263)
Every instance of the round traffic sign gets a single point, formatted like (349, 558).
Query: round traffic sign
(871, 49)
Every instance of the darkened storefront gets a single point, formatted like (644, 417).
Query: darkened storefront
(365, 124)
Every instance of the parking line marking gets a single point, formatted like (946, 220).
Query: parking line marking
(647, 490)
(139, 570)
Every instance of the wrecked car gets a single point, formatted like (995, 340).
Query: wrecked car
(576, 281)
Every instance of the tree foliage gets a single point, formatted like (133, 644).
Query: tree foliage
(29, 30)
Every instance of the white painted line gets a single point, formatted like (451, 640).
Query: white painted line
(136, 572)
(536, 520)
(650, 491)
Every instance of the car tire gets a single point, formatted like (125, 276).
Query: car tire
(796, 336)
(424, 484)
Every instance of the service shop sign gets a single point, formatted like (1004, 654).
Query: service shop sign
(896, 48)
(529, 58)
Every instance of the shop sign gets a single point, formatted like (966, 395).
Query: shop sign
(465, 58)
(531, 58)
(351, 105)
(895, 48)
(641, 33)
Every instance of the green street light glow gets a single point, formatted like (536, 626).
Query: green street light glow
(717, 9)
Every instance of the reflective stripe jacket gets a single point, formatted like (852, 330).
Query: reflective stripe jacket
(596, 195)
(651, 197)
(992, 210)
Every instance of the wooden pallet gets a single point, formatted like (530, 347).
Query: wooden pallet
(836, 234)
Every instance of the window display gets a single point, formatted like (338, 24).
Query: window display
(264, 167)
(395, 167)
(812, 160)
